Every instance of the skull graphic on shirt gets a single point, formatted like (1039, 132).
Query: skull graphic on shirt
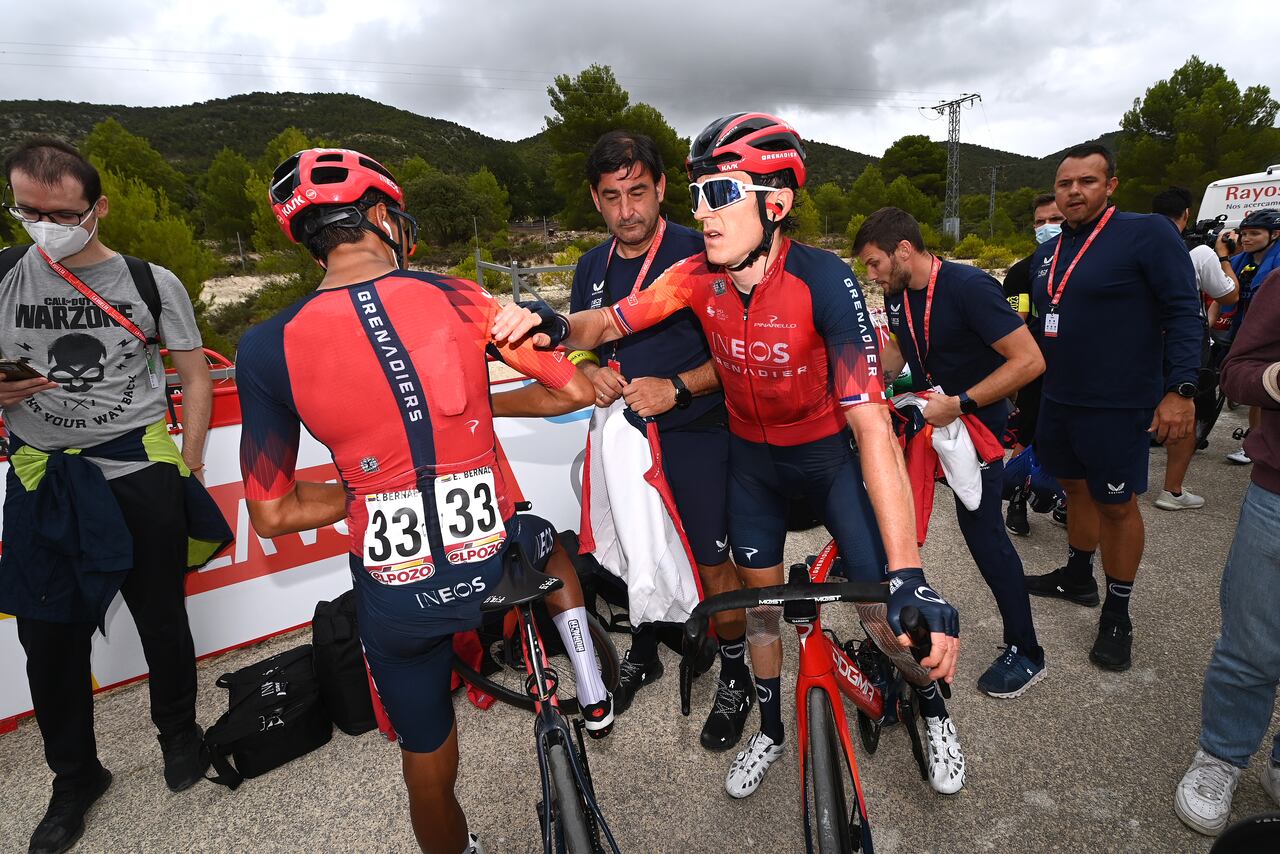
(77, 361)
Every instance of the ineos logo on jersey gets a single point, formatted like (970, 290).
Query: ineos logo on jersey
(451, 594)
(755, 351)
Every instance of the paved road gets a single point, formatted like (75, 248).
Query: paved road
(1086, 761)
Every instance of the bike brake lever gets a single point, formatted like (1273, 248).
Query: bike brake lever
(921, 642)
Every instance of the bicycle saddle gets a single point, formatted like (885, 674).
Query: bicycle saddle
(520, 583)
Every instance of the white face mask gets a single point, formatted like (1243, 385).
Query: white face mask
(60, 241)
(1048, 231)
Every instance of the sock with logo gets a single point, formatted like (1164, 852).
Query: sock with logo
(1079, 566)
(930, 701)
(644, 643)
(733, 664)
(769, 693)
(576, 637)
(1117, 601)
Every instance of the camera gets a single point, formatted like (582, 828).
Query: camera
(1205, 233)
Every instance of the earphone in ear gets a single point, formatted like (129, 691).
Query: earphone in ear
(386, 226)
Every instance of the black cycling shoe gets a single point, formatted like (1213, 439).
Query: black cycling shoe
(632, 678)
(1059, 512)
(1015, 518)
(733, 703)
(1055, 585)
(63, 822)
(185, 760)
(1111, 651)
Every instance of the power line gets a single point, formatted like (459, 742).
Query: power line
(856, 94)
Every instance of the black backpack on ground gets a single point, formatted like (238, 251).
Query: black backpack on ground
(274, 715)
(339, 662)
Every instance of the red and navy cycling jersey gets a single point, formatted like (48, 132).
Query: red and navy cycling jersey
(790, 358)
(390, 375)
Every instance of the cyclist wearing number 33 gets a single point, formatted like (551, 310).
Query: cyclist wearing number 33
(386, 368)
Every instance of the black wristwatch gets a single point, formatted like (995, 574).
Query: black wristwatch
(684, 397)
(1187, 390)
(968, 405)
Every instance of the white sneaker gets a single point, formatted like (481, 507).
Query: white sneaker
(473, 845)
(748, 768)
(946, 761)
(1188, 500)
(1239, 457)
(1203, 798)
(1270, 779)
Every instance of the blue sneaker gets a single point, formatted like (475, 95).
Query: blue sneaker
(1010, 675)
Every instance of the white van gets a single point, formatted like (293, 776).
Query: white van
(1235, 197)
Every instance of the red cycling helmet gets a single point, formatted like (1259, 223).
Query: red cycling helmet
(749, 142)
(332, 178)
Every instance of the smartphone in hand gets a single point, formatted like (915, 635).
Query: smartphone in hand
(15, 371)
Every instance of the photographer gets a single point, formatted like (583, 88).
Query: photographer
(1218, 283)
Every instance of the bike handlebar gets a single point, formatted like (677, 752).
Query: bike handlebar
(695, 628)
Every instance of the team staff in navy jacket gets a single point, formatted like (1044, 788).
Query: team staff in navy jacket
(1120, 328)
(664, 373)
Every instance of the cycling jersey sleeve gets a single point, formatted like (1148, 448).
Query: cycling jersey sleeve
(841, 317)
(270, 426)
(477, 306)
(669, 293)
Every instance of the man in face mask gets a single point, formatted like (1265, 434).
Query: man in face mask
(73, 314)
(1046, 222)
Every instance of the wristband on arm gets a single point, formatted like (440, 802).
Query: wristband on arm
(577, 357)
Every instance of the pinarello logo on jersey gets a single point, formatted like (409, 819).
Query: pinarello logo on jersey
(394, 576)
(476, 551)
(773, 323)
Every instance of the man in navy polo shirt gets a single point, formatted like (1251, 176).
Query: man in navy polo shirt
(664, 373)
(961, 338)
(1120, 328)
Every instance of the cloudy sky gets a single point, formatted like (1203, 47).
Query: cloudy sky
(852, 73)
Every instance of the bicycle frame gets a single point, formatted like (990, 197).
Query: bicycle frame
(550, 726)
(825, 667)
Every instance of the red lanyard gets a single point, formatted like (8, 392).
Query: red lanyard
(1062, 286)
(648, 259)
(110, 311)
(923, 352)
(94, 297)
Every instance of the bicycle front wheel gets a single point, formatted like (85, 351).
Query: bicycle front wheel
(570, 818)
(829, 807)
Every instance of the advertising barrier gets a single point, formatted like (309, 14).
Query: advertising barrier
(262, 587)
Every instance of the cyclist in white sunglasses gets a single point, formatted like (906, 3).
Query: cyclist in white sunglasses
(799, 362)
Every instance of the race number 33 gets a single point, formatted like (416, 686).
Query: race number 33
(467, 505)
(397, 529)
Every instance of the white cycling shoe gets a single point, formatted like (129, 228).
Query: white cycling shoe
(946, 760)
(749, 766)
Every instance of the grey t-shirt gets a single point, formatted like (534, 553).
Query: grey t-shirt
(102, 369)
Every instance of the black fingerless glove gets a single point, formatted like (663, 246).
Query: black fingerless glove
(554, 325)
(908, 587)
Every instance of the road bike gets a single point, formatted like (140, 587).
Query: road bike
(874, 673)
(568, 813)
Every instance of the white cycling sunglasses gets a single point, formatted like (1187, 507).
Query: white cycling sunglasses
(722, 192)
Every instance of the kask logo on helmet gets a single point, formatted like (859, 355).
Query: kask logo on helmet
(289, 207)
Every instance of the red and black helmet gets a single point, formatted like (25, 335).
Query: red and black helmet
(334, 178)
(748, 142)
